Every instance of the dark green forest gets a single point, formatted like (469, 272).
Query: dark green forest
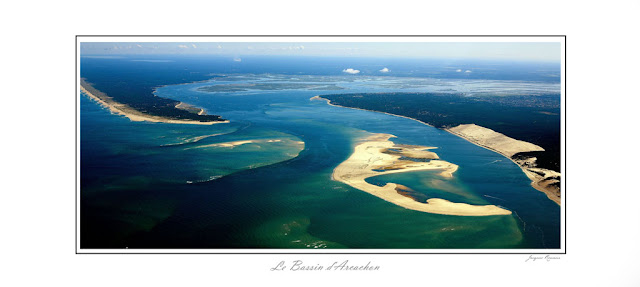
(133, 84)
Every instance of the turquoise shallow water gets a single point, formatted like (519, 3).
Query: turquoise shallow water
(159, 185)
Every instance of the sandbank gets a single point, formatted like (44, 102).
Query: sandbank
(195, 139)
(226, 144)
(372, 158)
(233, 144)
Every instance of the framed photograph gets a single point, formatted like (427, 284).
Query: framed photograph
(320, 144)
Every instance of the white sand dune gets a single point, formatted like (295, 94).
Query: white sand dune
(493, 140)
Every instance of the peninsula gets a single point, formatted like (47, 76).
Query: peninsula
(377, 155)
(174, 112)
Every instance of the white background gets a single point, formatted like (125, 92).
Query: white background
(38, 97)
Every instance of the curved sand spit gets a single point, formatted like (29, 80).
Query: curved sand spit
(378, 155)
(132, 114)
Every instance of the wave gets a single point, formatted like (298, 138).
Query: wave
(493, 197)
(194, 139)
(211, 178)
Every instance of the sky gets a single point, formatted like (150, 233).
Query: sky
(526, 51)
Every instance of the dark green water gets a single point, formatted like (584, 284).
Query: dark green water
(156, 185)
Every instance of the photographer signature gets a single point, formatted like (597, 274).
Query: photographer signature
(542, 258)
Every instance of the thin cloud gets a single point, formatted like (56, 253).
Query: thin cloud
(467, 71)
(351, 71)
(183, 47)
(459, 70)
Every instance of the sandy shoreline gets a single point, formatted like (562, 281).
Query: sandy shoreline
(132, 114)
(332, 104)
(373, 157)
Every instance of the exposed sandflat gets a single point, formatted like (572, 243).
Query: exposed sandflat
(370, 159)
(233, 144)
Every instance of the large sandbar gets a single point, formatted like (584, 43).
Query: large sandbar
(377, 155)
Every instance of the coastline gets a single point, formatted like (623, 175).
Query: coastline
(377, 155)
(332, 104)
(134, 115)
(537, 180)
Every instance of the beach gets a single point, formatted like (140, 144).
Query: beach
(132, 114)
(377, 155)
(334, 105)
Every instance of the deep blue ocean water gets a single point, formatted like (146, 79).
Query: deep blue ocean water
(157, 185)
